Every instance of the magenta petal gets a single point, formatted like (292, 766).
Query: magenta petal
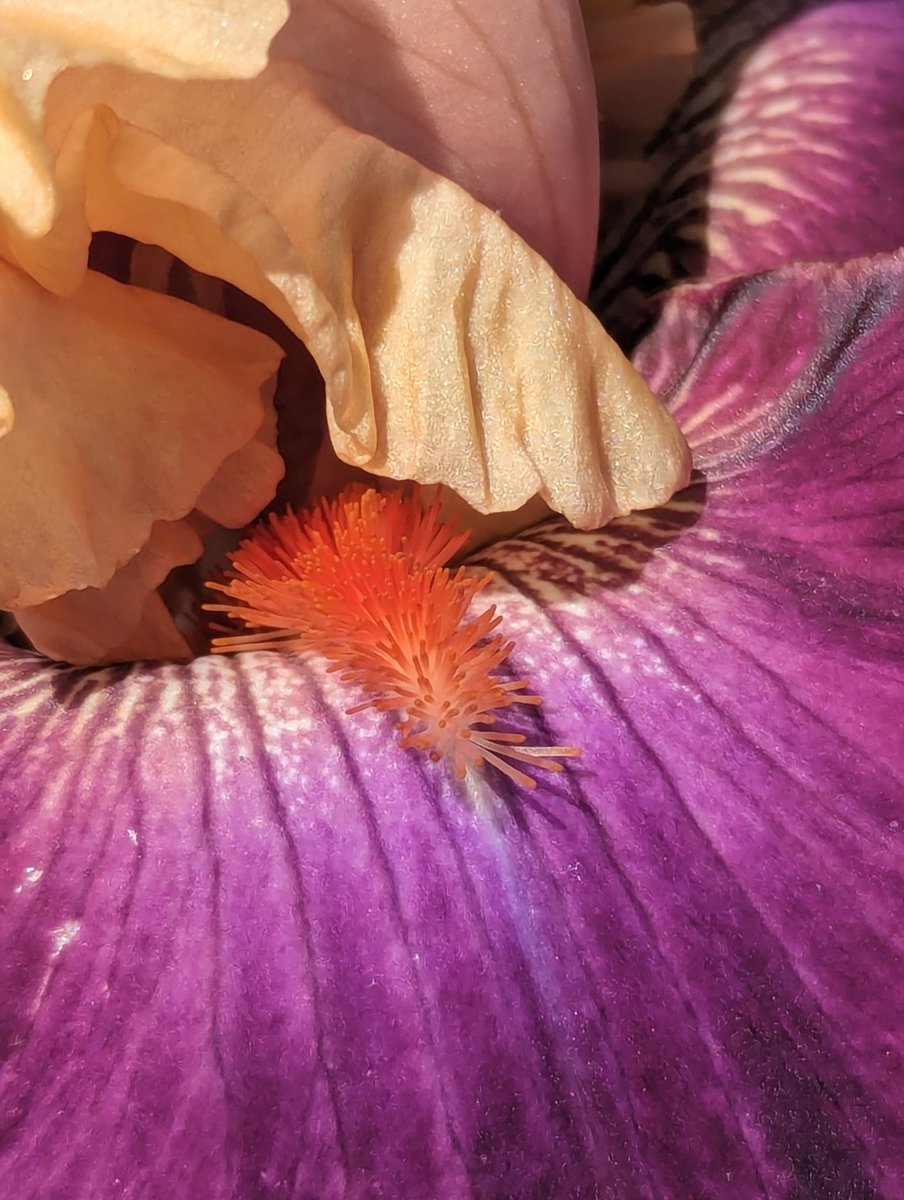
(788, 146)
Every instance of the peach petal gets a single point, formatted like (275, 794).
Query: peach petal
(39, 38)
(499, 98)
(125, 619)
(126, 404)
(450, 350)
(245, 482)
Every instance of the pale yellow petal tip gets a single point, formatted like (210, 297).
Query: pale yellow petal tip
(495, 381)
(209, 39)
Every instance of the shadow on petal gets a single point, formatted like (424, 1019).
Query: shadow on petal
(786, 146)
(566, 563)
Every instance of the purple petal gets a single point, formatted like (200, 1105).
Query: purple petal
(788, 146)
(252, 949)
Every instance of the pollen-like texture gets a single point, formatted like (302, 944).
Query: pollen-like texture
(363, 580)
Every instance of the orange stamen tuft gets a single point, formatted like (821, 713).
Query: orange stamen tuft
(363, 580)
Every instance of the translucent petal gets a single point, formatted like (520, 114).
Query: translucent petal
(497, 97)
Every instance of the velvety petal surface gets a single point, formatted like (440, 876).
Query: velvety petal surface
(40, 38)
(252, 949)
(788, 145)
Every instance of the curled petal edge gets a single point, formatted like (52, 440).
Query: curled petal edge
(451, 352)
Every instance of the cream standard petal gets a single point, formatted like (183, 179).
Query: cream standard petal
(451, 352)
(125, 406)
(39, 38)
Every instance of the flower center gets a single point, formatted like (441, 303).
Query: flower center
(364, 580)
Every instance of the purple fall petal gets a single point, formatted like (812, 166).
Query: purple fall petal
(787, 146)
(251, 949)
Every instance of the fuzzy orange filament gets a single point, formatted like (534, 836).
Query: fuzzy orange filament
(363, 580)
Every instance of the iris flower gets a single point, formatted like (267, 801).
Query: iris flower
(252, 948)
